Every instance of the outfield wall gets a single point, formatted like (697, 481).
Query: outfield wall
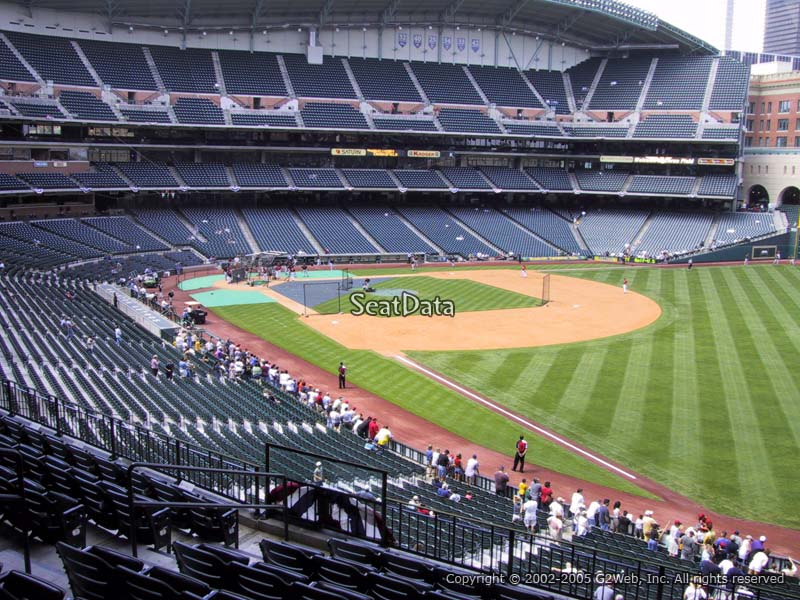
(783, 242)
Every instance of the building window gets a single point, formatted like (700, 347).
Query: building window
(769, 124)
(783, 124)
(748, 142)
(784, 106)
(750, 124)
(766, 169)
(796, 143)
(797, 124)
(751, 108)
(780, 142)
(769, 107)
(764, 107)
(759, 169)
(761, 124)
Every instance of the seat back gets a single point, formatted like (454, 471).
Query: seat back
(406, 566)
(22, 586)
(354, 551)
(202, 565)
(256, 583)
(386, 587)
(342, 573)
(288, 556)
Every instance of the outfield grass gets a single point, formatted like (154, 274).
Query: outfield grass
(467, 295)
(412, 391)
(705, 400)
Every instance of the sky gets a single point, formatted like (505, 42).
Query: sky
(706, 19)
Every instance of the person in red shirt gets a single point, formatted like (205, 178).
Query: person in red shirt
(458, 468)
(519, 455)
(546, 495)
(374, 428)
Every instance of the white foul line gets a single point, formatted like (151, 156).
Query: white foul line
(511, 415)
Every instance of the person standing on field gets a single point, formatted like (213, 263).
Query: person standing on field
(519, 455)
(342, 376)
(524, 271)
(625, 286)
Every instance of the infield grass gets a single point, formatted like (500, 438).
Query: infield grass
(467, 295)
(411, 390)
(705, 400)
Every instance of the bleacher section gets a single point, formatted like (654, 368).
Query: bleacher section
(678, 83)
(334, 231)
(165, 224)
(506, 178)
(203, 174)
(550, 179)
(54, 58)
(473, 121)
(611, 230)
(620, 84)
(601, 180)
(738, 226)
(504, 87)
(220, 228)
(546, 225)
(315, 178)
(419, 180)
(444, 231)
(275, 229)
(123, 229)
(136, 115)
(238, 69)
(47, 181)
(86, 106)
(122, 66)
(721, 133)
(673, 233)
(597, 131)
(501, 232)
(369, 179)
(661, 185)
(198, 110)
(190, 70)
(36, 109)
(9, 182)
(730, 86)
(666, 126)
(25, 232)
(718, 186)
(401, 124)
(465, 178)
(383, 224)
(328, 80)
(445, 84)
(11, 69)
(332, 116)
(259, 175)
(81, 233)
(264, 119)
(148, 174)
(581, 77)
(550, 85)
(383, 80)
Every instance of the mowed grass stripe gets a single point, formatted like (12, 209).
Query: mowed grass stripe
(685, 425)
(578, 393)
(652, 433)
(751, 452)
(775, 406)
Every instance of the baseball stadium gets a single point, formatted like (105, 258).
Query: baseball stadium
(388, 300)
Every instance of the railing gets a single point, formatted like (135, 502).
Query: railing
(136, 443)
(507, 554)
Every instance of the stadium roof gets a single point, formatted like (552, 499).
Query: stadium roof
(593, 24)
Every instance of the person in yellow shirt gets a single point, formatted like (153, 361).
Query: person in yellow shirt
(523, 488)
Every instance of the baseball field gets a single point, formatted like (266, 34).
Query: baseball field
(701, 394)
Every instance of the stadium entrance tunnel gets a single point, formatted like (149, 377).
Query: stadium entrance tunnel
(758, 195)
